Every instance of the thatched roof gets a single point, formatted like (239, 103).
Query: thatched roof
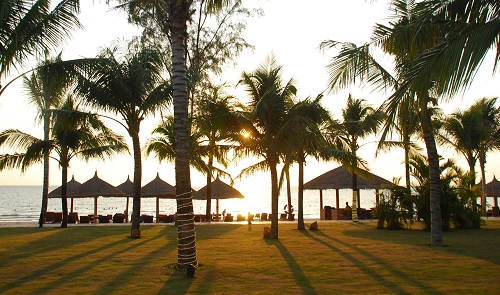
(96, 187)
(72, 185)
(127, 187)
(220, 190)
(492, 188)
(158, 188)
(341, 178)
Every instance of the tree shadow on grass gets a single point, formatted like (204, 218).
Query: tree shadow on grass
(394, 287)
(459, 241)
(178, 282)
(295, 268)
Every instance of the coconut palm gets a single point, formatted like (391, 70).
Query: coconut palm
(132, 87)
(216, 119)
(473, 133)
(270, 101)
(73, 135)
(404, 39)
(172, 17)
(30, 27)
(46, 91)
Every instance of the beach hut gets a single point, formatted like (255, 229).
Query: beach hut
(95, 188)
(128, 188)
(340, 178)
(220, 190)
(492, 189)
(72, 185)
(158, 188)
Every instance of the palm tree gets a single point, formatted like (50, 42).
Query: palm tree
(405, 39)
(133, 88)
(216, 120)
(29, 27)
(270, 101)
(359, 121)
(46, 91)
(172, 17)
(310, 121)
(473, 133)
(72, 136)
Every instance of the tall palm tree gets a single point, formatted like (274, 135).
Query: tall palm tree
(72, 136)
(172, 17)
(29, 27)
(216, 118)
(46, 91)
(133, 88)
(270, 101)
(359, 121)
(406, 38)
(310, 121)
(490, 136)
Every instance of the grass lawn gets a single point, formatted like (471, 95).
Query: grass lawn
(339, 258)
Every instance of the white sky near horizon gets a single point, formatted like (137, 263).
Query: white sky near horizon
(292, 31)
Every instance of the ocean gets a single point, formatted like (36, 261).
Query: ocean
(23, 203)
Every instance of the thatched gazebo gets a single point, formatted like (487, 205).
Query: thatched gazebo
(340, 178)
(220, 190)
(72, 185)
(158, 188)
(128, 188)
(492, 189)
(95, 188)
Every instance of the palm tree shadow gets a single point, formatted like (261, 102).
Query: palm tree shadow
(365, 268)
(295, 268)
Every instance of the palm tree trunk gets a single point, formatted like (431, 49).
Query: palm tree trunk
(209, 181)
(186, 248)
(354, 208)
(300, 218)
(46, 158)
(482, 164)
(288, 193)
(137, 183)
(434, 175)
(274, 197)
(64, 186)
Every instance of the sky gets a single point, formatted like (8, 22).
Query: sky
(289, 29)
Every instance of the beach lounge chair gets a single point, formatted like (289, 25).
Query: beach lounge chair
(118, 218)
(263, 216)
(84, 219)
(103, 218)
(73, 217)
(283, 217)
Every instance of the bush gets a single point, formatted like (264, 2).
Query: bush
(394, 210)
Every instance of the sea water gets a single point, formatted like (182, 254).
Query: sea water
(23, 203)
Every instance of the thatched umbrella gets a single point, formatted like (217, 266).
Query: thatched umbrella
(96, 187)
(158, 188)
(72, 185)
(128, 188)
(341, 178)
(492, 189)
(220, 190)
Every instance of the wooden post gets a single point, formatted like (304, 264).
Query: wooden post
(95, 210)
(337, 198)
(376, 197)
(157, 209)
(320, 199)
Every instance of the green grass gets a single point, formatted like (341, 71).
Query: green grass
(339, 258)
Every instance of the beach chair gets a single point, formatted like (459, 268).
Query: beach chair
(283, 216)
(73, 217)
(240, 217)
(49, 217)
(148, 218)
(103, 218)
(228, 217)
(84, 219)
(118, 218)
(263, 216)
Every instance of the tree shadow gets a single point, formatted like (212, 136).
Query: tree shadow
(393, 286)
(295, 268)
